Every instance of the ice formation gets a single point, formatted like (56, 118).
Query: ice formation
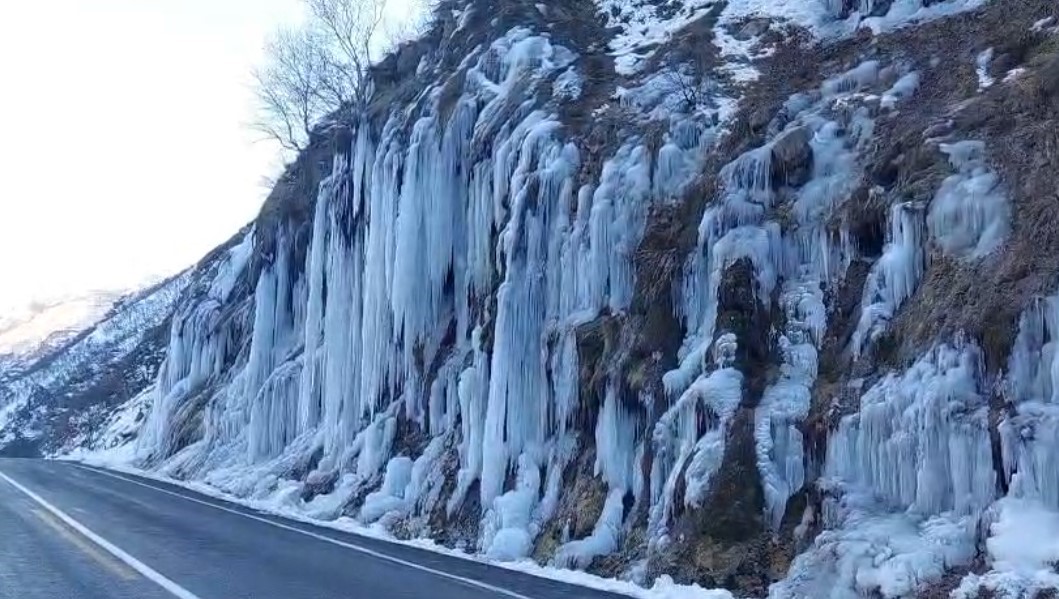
(894, 278)
(1031, 434)
(901, 89)
(1021, 545)
(407, 238)
(969, 216)
(912, 479)
(801, 261)
(981, 63)
(414, 348)
(866, 550)
(712, 398)
(907, 478)
(921, 441)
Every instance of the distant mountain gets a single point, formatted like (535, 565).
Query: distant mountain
(44, 325)
(65, 363)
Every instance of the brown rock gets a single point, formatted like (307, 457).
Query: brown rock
(751, 29)
(792, 157)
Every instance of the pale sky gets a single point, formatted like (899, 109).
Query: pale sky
(124, 151)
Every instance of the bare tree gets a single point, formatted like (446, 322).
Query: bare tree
(316, 69)
(294, 87)
(352, 27)
(689, 88)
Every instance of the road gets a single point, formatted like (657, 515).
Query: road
(71, 532)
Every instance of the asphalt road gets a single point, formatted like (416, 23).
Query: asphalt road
(70, 532)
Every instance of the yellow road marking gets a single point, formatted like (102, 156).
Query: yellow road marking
(114, 566)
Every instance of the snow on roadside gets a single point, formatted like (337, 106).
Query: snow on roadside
(283, 502)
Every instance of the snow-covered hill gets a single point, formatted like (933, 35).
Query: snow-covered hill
(30, 331)
(64, 385)
(758, 295)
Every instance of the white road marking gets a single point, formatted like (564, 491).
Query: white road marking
(149, 573)
(383, 556)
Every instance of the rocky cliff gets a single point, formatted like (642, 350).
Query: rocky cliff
(760, 295)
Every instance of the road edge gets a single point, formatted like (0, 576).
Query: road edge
(125, 557)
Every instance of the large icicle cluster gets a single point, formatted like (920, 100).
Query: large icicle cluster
(912, 477)
(921, 441)
(806, 171)
(1024, 526)
(908, 477)
(200, 344)
(388, 321)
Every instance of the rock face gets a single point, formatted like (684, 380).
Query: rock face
(758, 296)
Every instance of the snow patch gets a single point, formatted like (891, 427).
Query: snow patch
(1042, 24)
(643, 25)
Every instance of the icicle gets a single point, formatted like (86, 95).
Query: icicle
(273, 419)
(616, 440)
(312, 378)
(921, 439)
(376, 343)
(1030, 436)
(894, 278)
(473, 395)
(712, 399)
(778, 440)
(860, 76)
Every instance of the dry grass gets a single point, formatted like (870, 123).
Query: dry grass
(1017, 121)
